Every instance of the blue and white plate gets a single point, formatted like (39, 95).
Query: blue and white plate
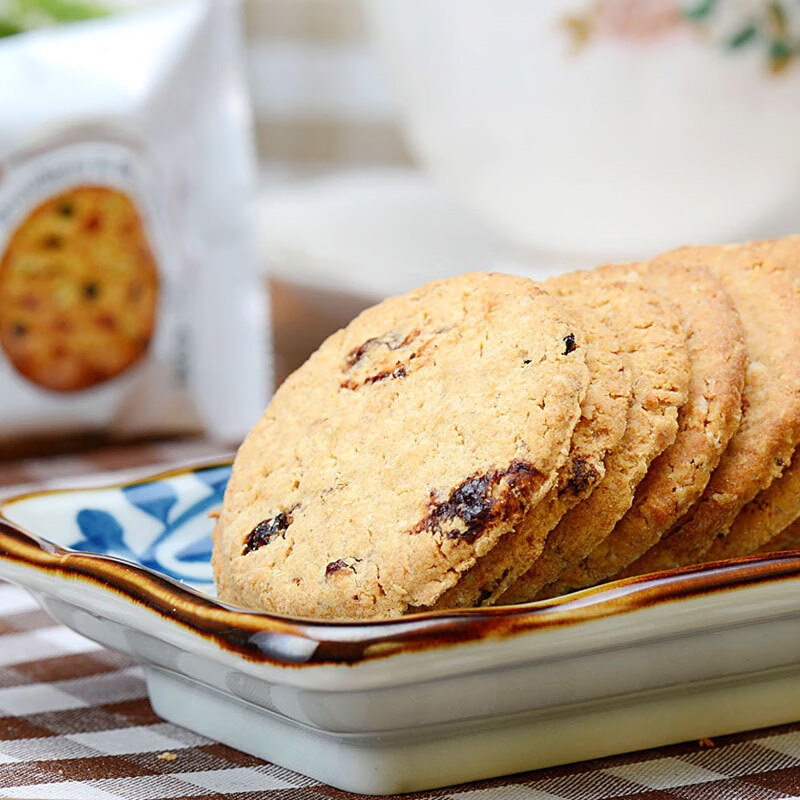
(162, 524)
(420, 701)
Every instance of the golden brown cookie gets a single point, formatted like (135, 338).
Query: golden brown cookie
(766, 516)
(599, 430)
(711, 415)
(656, 347)
(762, 280)
(78, 290)
(787, 539)
(403, 450)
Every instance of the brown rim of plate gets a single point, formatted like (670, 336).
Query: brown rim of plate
(267, 638)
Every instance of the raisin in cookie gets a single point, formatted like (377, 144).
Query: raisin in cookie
(599, 430)
(78, 290)
(403, 450)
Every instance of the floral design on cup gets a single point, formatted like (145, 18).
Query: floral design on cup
(773, 26)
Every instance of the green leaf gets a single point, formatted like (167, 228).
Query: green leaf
(8, 27)
(779, 50)
(700, 11)
(743, 37)
(780, 54)
(64, 10)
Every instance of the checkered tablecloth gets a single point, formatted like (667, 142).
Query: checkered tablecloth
(75, 721)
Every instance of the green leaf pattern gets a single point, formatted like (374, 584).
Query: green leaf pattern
(766, 25)
(17, 16)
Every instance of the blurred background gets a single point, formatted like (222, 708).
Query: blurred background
(404, 140)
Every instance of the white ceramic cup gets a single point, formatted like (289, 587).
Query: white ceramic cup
(655, 131)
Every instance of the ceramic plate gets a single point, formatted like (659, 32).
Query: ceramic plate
(421, 701)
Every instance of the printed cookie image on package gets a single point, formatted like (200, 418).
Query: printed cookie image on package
(78, 290)
(131, 298)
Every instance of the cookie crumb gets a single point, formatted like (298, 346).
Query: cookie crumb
(166, 756)
(706, 743)
(214, 513)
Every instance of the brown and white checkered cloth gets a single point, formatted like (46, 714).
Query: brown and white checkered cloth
(75, 722)
(322, 100)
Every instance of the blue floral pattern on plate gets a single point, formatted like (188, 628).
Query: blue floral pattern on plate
(162, 524)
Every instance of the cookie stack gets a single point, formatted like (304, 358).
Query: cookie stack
(488, 440)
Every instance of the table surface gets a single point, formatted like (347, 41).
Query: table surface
(75, 721)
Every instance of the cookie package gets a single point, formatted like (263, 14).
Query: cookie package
(130, 299)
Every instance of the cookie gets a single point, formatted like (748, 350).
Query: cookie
(655, 344)
(78, 290)
(402, 451)
(599, 430)
(711, 415)
(763, 280)
(766, 516)
(787, 539)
